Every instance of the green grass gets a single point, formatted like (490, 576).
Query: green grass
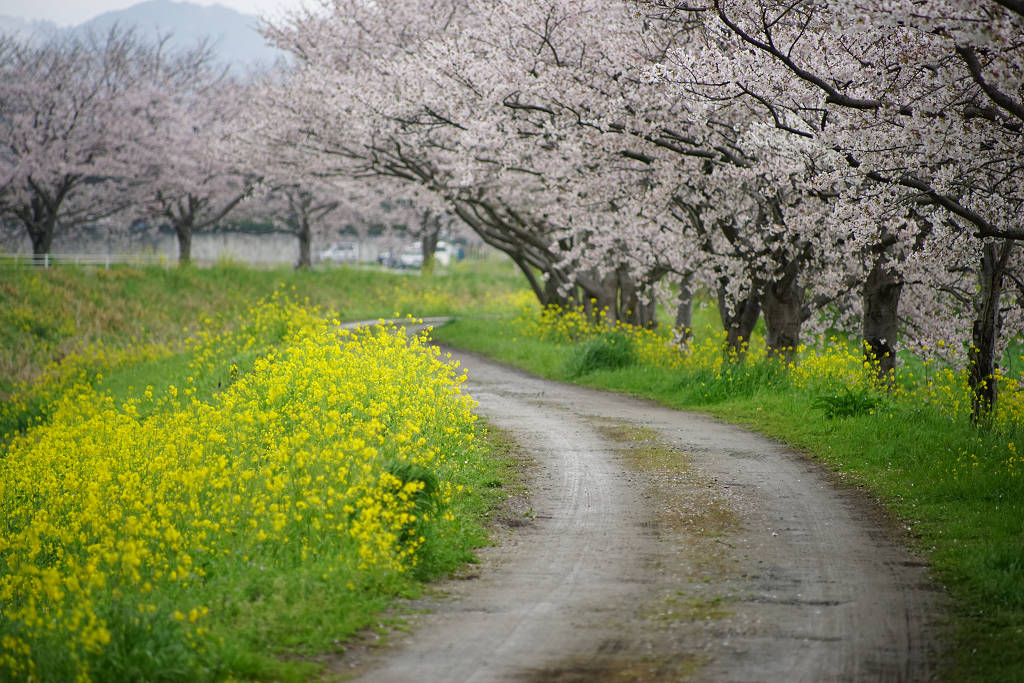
(969, 523)
(47, 314)
(610, 351)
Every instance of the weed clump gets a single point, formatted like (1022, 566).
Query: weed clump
(609, 351)
(847, 402)
(707, 386)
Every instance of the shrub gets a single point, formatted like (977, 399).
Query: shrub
(704, 386)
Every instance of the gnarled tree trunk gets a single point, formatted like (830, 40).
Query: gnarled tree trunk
(183, 229)
(41, 233)
(547, 290)
(430, 235)
(39, 215)
(739, 320)
(880, 296)
(985, 331)
(684, 312)
(305, 235)
(634, 307)
(557, 291)
(601, 295)
(784, 315)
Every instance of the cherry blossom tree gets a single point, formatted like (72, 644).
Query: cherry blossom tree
(609, 149)
(297, 209)
(573, 78)
(75, 114)
(404, 127)
(922, 101)
(516, 118)
(198, 178)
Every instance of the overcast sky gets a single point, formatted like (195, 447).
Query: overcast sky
(71, 12)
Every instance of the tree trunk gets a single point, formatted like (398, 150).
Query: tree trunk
(600, 296)
(41, 233)
(783, 316)
(633, 308)
(430, 236)
(588, 305)
(39, 215)
(739, 322)
(40, 220)
(649, 314)
(548, 292)
(606, 296)
(557, 291)
(985, 331)
(305, 236)
(184, 231)
(684, 312)
(628, 297)
(880, 295)
(531, 277)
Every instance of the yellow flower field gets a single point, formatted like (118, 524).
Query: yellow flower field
(324, 450)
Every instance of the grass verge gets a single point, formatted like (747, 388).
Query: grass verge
(45, 315)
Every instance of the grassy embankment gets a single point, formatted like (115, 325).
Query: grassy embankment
(201, 478)
(958, 489)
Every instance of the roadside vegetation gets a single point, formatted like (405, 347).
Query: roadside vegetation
(955, 488)
(47, 315)
(202, 477)
(195, 462)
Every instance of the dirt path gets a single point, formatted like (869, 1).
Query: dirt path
(664, 546)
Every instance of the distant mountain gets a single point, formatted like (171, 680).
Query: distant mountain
(233, 35)
(25, 28)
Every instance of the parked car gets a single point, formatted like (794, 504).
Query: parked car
(447, 253)
(344, 252)
(411, 256)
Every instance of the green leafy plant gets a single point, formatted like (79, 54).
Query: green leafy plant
(610, 351)
(847, 402)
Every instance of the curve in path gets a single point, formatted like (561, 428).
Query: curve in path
(667, 546)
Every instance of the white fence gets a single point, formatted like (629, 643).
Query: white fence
(97, 260)
(158, 249)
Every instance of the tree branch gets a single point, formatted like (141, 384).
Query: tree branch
(970, 57)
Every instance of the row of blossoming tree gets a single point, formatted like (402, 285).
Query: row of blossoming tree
(817, 163)
(848, 163)
(98, 126)
(111, 127)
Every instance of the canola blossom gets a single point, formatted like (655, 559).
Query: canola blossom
(339, 450)
(832, 365)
